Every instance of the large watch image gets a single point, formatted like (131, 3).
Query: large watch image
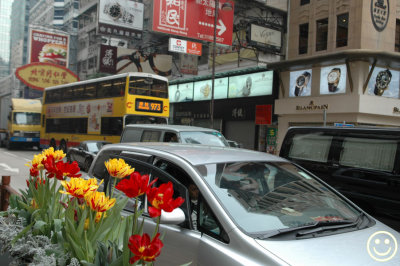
(114, 10)
(333, 79)
(301, 83)
(382, 82)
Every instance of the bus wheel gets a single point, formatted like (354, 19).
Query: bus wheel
(63, 146)
(53, 144)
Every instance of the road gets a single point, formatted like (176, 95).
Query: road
(12, 163)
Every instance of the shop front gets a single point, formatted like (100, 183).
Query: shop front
(242, 106)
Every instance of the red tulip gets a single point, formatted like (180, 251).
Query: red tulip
(60, 169)
(37, 180)
(135, 186)
(143, 248)
(161, 199)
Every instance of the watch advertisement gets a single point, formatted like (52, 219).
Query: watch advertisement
(333, 80)
(202, 89)
(122, 18)
(300, 83)
(181, 93)
(384, 82)
(256, 84)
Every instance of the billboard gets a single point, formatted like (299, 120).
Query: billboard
(43, 75)
(123, 18)
(202, 89)
(300, 83)
(117, 60)
(183, 46)
(181, 93)
(47, 47)
(255, 84)
(384, 82)
(188, 64)
(194, 19)
(333, 79)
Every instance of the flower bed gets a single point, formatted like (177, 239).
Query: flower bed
(71, 223)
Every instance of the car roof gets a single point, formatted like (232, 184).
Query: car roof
(350, 128)
(195, 154)
(170, 127)
(92, 141)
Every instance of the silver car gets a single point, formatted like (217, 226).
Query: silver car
(251, 208)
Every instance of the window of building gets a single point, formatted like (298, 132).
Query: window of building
(304, 2)
(342, 30)
(303, 38)
(322, 35)
(397, 37)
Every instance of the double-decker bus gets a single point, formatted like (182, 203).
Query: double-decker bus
(98, 109)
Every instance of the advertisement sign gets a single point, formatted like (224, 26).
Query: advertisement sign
(181, 93)
(188, 64)
(202, 89)
(118, 60)
(194, 19)
(183, 46)
(43, 75)
(333, 79)
(264, 114)
(94, 110)
(384, 82)
(123, 18)
(256, 84)
(47, 47)
(300, 83)
(265, 36)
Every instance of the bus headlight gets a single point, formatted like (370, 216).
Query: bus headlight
(17, 134)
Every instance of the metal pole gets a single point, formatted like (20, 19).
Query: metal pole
(213, 63)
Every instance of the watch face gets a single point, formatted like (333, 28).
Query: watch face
(382, 80)
(333, 75)
(115, 11)
(300, 80)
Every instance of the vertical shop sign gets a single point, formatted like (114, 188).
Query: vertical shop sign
(264, 114)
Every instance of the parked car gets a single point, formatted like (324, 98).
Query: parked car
(172, 133)
(85, 152)
(252, 208)
(362, 163)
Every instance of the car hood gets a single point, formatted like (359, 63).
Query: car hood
(349, 248)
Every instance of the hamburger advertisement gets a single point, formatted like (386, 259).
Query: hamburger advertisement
(49, 47)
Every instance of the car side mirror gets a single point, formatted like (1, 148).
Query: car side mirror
(177, 216)
(80, 148)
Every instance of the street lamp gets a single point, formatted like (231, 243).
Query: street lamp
(225, 7)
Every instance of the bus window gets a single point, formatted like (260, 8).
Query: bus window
(90, 91)
(111, 125)
(79, 92)
(141, 86)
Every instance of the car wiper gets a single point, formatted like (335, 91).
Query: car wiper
(314, 228)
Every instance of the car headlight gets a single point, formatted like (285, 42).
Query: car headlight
(17, 134)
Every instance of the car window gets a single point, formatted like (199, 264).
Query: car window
(376, 154)
(93, 146)
(265, 196)
(206, 137)
(170, 137)
(150, 136)
(313, 147)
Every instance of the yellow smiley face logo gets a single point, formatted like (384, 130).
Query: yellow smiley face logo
(382, 246)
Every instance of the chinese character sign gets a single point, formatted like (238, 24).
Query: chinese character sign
(48, 47)
(194, 19)
(43, 75)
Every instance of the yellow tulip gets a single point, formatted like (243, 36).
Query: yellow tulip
(79, 187)
(98, 201)
(58, 155)
(118, 168)
(36, 162)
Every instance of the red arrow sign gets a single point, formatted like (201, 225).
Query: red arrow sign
(194, 19)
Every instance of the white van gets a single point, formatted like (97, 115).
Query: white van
(173, 133)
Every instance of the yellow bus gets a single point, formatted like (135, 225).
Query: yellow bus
(98, 109)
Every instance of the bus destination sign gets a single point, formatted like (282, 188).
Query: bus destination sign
(144, 105)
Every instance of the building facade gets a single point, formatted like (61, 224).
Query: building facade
(342, 65)
(5, 25)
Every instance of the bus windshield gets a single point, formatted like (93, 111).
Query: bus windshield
(141, 119)
(25, 118)
(148, 87)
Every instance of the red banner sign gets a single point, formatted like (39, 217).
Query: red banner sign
(264, 114)
(194, 19)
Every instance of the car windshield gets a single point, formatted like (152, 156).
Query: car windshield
(95, 146)
(25, 118)
(204, 137)
(265, 196)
